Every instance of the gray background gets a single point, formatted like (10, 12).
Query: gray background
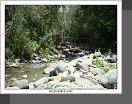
(93, 99)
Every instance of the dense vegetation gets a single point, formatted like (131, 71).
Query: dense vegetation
(38, 29)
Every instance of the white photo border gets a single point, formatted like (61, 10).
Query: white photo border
(119, 47)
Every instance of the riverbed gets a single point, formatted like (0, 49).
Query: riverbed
(30, 71)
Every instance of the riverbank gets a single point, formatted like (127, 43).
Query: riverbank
(93, 71)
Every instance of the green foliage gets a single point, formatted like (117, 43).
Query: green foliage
(98, 62)
(9, 54)
(29, 29)
(101, 64)
(98, 25)
(38, 28)
(106, 68)
(48, 86)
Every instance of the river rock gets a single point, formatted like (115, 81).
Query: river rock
(111, 58)
(12, 88)
(71, 78)
(49, 69)
(39, 87)
(41, 81)
(97, 87)
(74, 50)
(23, 84)
(52, 82)
(84, 64)
(85, 83)
(60, 68)
(35, 61)
(53, 73)
(89, 76)
(57, 78)
(97, 54)
(97, 71)
(91, 56)
(31, 85)
(24, 76)
(15, 65)
(70, 69)
(44, 60)
(17, 60)
(73, 62)
(109, 78)
(62, 56)
(80, 54)
(97, 78)
(78, 74)
(114, 56)
(66, 84)
(108, 58)
(7, 63)
(81, 59)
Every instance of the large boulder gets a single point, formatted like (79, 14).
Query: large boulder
(25, 83)
(22, 84)
(41, 81)
(97, 71)
(109, 79)
(49, 69)
(85, 83)
(31, 85)
(73, 62)
(89, 76)
(97, 54)
(71, 78)
(60, 68)
(91, 56)
(57, 78)
(83, 63)
(111, 58)
(78, 74)
(97, 87)
(70, 69)
(66, 85)
(53, 73)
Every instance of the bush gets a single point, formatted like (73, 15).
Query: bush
(98, 63)
(9, 54)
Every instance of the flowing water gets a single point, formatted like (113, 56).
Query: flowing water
(32, 71)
